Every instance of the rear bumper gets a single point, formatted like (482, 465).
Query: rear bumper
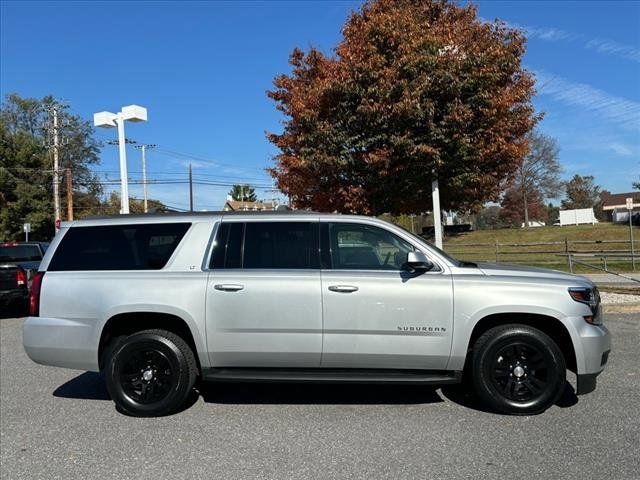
(61, 342)
(13, 297)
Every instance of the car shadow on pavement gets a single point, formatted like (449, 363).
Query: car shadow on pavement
(86, 386)
(464, 396)
(91, 386)
(319, 394)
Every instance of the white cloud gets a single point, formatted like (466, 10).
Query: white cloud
(614, 48)
(621, 149)
(624, 112)
(600, 45)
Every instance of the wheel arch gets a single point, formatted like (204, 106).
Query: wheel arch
(550, 325)
(127, 323)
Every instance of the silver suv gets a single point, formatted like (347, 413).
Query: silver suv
(159, 302)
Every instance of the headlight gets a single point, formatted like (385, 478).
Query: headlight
(590, 297)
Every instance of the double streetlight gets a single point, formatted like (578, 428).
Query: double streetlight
(132, 113)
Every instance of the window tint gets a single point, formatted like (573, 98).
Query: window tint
(118, 247)
(266, 245)
(281, 245)
(227, 249)
(364, 247)
(20, 253)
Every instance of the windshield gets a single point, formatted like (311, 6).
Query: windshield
(20, 253)
(451, 259)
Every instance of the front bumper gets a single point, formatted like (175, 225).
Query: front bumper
(61, 342)
(592, 353)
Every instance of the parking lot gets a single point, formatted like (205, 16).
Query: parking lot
(59, 423)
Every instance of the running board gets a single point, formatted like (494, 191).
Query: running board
(331, 375)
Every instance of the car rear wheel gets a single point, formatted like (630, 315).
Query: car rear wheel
(150, 373)
(518, 369)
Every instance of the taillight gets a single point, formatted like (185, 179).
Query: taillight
(21, 278)
(34, 294)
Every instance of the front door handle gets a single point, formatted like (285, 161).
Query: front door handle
(343, 288)
(228, 287)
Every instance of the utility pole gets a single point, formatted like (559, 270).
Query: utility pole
(56, 165)
(143, 148)
(69, 195)
(190, 188)
(633, 252)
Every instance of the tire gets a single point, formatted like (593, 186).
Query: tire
(150, 373)
(517, 369)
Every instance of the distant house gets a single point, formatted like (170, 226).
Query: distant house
(258, 206)
(614, 205)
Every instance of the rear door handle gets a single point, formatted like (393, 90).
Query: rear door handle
(343, 288)
(228, 287)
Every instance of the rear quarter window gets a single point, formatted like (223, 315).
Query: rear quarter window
(118, 247)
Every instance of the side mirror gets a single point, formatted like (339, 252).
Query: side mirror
(418, 262)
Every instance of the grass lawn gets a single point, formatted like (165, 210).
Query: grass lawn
(480, 245)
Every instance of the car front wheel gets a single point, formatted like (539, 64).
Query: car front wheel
(518, 369)
(150, 373)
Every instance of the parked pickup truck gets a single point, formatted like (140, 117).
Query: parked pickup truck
(26, 255)
(14, 293)
(157, 302)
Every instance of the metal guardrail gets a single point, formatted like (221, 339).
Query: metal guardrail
(571, 259)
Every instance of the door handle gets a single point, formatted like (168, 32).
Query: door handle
(228, 287)
(343, 288)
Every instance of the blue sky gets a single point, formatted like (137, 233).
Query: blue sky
(202, 70)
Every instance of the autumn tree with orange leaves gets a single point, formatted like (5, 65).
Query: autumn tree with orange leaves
(414, 89)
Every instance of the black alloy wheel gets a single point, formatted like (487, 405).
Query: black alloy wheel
(518, 369)
(520, 372)
(146, 375)
(150, 373)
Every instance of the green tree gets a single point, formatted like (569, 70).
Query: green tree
(111, 205)
(26, 166)
(416, 90)
(490, 218)
(553, 213)
(581, 192)
(243, 193)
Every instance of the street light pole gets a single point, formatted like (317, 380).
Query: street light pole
(133, 113)
(437, 220)
(124, 179)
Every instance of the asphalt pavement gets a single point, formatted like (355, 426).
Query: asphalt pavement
(60, 424)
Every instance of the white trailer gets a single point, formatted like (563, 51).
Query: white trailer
(577, 216)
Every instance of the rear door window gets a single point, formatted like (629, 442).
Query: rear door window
(267, 245)
(118, 247)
